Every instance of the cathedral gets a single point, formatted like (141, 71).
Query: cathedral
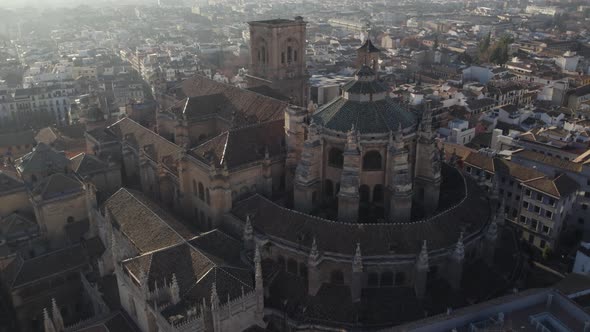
(241, 209)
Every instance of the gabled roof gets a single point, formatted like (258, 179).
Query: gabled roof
(239, 106)
(57, 262)
(15, 224)
(42, 159)
(147, 226)
(10, 183)
(563, 164)
(84, 164)
(137, 136)
(496, 165)
(56, 185)
(561, 186)
(244, 145)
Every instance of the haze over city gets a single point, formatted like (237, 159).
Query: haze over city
(246, 165)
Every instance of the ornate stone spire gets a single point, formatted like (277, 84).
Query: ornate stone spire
(357, 261)
(248, 229)
(492, 233)
(214, 298)
(422, 263)
(426, 124)
(258, 267)
(47, 322)
(58, 321)
(174, 290)
(459, 253)
(143, 280)
(314, 254)
(352, 139)
(399, 138)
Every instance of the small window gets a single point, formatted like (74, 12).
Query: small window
(549, 214)
(551, 201)
(528, 192)
(534, 224)
(542, 244)
(546, 229)
(523, 219)
(536, 209)
(525, 205)
(372, 161)
(531, 238)
(335, 158)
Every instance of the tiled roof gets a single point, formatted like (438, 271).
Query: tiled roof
(207, 97)
(243, 145)
(16, 224)
(380, 116)
(502, 166)
(102, 135)
(548, 160)
(10, 183)
(147, 226)
(57, 262)
(42, 159)
(56, 185)
(559, 187)
(139, 137)
(376, 239)
(475, 104)
(84, 164)
(195, 271)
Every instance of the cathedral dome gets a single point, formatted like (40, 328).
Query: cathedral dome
(364, 104)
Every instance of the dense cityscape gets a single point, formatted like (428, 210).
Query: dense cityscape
(246, 165)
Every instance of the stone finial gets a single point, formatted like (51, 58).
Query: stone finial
(459, 253)
(422, 263)
(47, 322)
(351, 136)
(58, 321)
(248, 229)
(258, 267)
(357, 261)
(174, 290)
(214, 298)
(314, 254)
(492, 233)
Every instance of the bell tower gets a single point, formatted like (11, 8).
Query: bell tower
(277, 57)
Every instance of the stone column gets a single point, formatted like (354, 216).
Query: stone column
(348, 197)
(314, 281)
(356, 285)
(421, 272)
(456, 264)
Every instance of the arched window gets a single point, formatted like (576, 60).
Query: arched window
(337, 277)
(263, 54)
(373, 279)
(207, 196)
(386, 279)
(372, 161)
(303, 270)
(195, 188)
(400, 279)
(289, 54)
(378, 193)
(295, 56)
(201, 192)
(364, 193)
(292, 266)
(335, 158)
(328, 188)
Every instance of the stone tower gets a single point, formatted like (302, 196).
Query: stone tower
(277, 57)
(368, 55)
(400, 180)
(428, 165)
(348, 197)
